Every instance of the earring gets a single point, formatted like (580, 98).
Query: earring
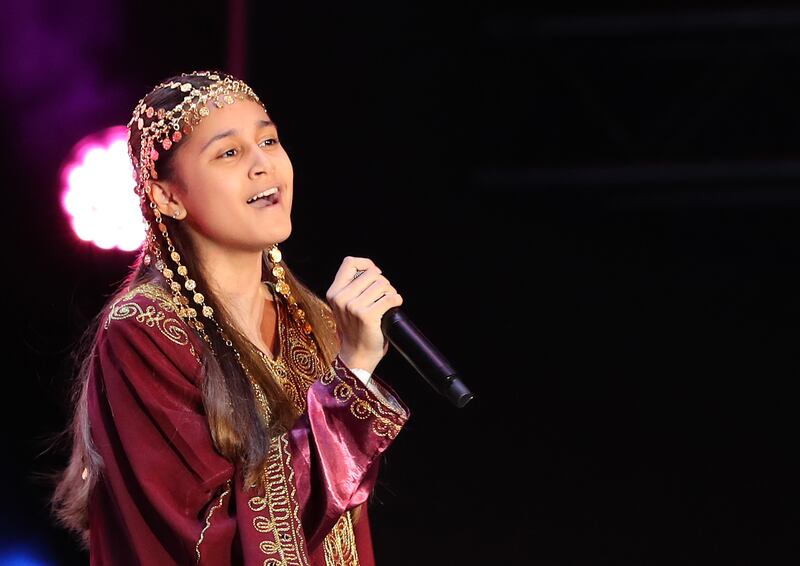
(177, 214)
(190, 284)
(282, 287)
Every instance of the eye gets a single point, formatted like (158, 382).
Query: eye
(266, 142)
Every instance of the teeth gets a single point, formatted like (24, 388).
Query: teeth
(266, 193)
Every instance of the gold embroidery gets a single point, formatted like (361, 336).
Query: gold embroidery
(340, 544)
(363, 404)
(281, 518)
(296, 365)
(171, 327)
(208, 518)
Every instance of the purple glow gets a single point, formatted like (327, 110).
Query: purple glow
(97, 192)
(52, 69)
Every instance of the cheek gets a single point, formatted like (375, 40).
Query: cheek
(286, 163)
(211, 199)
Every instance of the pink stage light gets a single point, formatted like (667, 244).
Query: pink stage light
(97, 192)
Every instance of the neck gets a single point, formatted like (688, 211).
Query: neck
(235, 278)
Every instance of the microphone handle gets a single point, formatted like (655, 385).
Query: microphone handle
(424, 357)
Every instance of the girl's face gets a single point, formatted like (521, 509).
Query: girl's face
(232, 155)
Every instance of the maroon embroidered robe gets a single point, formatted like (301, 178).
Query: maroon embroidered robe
(167, 497)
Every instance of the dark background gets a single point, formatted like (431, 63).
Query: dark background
(592, 211)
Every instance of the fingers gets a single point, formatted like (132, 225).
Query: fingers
(359, 297)
(385, 302)
(371, 279)
(362, 290)
(378, 290)
(347, 272)
(377, 296)
(359, 285)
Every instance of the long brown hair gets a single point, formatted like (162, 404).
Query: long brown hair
(241, 434)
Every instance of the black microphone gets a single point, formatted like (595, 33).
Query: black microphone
(424, 357)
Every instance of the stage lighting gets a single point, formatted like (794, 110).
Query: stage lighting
(97, 192)
(19, 555)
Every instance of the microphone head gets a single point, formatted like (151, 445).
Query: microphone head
(458, 394)
(424, 357)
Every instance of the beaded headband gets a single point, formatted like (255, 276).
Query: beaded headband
(160, 130)
(169, 126)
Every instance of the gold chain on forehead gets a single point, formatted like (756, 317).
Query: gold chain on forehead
(166, 127)
(163, 129)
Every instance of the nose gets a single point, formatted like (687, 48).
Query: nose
(262, 162)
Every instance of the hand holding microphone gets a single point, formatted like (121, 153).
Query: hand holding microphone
(358, 297)
(368, 319)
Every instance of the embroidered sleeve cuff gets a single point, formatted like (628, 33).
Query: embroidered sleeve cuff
(378, 390)
(374, 401)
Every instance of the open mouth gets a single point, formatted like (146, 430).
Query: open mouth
(265, 198)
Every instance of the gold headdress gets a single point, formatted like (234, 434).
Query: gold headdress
(160, 130)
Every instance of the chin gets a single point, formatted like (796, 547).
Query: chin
(279, 237)
(285, 234)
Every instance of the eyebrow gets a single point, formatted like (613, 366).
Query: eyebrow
(227, 133)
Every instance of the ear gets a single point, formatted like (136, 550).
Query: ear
(167, 199)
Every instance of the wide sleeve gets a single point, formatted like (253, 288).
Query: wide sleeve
(162, 475)
(336, 446)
